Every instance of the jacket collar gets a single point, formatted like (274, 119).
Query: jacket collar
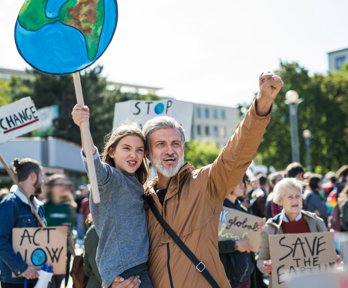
(175, 182)
(278, 219)
(15, 189)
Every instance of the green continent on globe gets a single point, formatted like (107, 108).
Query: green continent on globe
(32, 15)
(88, 17)
(85, 15)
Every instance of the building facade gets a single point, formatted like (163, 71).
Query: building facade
(337, 59)
(209, 123)
(214, 123)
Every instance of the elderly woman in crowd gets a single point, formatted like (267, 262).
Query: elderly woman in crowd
(292, 219)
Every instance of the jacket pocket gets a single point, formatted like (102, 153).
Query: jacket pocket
(26, 220)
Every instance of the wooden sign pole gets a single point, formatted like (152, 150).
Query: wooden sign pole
(86, 143)
(8, 170)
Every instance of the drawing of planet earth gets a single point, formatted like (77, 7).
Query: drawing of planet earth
(64, 36)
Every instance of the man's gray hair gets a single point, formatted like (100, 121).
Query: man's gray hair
(161, 122)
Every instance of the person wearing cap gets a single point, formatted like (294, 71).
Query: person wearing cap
(17, 210)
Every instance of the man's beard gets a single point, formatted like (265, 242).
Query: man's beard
(168, 172)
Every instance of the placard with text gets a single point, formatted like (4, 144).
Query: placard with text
(40, 246)
(140, 111)
(293, 254)
(235, 225)
(18, 118)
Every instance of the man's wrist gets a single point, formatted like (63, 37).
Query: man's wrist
(262, 107)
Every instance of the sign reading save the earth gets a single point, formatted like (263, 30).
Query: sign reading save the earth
(64, 36)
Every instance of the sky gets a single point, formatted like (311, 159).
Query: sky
(209, 52)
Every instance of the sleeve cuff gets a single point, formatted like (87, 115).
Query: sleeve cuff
(95, 155)
(256, 115)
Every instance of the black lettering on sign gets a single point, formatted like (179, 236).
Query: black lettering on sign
(24, 236)
(301, 248)
(169, 104)
(242, 224)
(136, 105)
(148, 107)
(280, 273)
(54, 253)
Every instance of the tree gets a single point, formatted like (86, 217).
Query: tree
(47, 90)
(4, 93)
(199, 153)
(323, 112)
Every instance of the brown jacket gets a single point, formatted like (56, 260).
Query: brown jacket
(192, 208)
(273, 226)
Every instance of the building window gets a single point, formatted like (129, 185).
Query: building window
(199, 130)
(198, 112)
(207, 130)
(223, 114)
(339, 61)
(216, 131)
(206, 113)
(215, 114)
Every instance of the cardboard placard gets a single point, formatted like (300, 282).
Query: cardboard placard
(141, 111)
(39, 246)
(333, 279)
(18, 118)
(293, 254)
(236, 225)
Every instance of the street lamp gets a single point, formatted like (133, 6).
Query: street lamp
(292, 99)
(307, 135)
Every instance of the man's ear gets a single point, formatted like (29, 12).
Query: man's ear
(33, 177)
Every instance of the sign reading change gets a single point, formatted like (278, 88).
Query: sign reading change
(18, 118)
(39, 246)
(235, 225)
(293, 254)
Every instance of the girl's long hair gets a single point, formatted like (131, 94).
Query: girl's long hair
(112, 140)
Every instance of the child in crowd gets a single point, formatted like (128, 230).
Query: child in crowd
(120, 218)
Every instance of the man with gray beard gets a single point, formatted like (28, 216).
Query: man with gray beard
(190, 200)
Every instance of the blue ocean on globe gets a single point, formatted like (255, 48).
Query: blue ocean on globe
(58, 48)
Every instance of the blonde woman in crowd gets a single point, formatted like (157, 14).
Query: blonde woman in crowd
(292, 219)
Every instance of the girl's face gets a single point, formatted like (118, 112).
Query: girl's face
(292, 202)
(128, 154)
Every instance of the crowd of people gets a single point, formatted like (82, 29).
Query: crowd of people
(162, 232)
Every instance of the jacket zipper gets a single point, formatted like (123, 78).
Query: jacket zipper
(168, 267)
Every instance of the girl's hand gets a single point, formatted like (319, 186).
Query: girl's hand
(80, 114)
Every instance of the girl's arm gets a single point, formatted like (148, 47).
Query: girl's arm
(80, 114)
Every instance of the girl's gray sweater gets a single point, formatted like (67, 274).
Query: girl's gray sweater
(120, 221)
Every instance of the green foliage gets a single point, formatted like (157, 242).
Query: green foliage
(4, 93)
(47, 90)
(323, 112)
(200, 153)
